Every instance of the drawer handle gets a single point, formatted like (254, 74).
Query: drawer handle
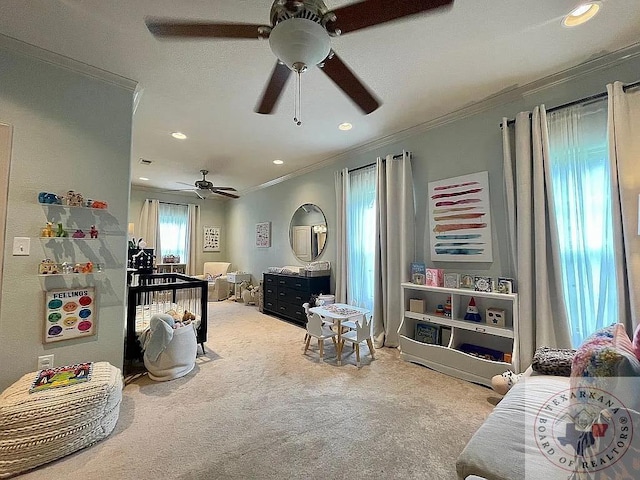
(281, 282)
(282, 294)
(481, 330)
(298, 284)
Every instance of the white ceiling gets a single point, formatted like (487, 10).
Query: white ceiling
(420, 68)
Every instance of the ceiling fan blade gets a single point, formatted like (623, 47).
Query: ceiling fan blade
(368, 13)
(346, 80)
(183, 183)
(226, 194)
(273, 89)
(225, 188)
(184, 190)
(167, 28)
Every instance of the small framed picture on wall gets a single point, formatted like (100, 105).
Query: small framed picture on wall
(263, 234)
(211, 242)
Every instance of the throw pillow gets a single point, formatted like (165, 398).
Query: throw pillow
(636, 342)
(553, 361)
(606, 353)
(606, 361)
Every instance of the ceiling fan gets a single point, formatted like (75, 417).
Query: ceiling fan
(299, 36)
(204, 185)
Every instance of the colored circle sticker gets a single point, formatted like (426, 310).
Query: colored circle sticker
(85, 300)
(70, 306)
(55, 330)
(55, 303)
(84, 313)
(84, 325)
(54, 317)
(70, 321)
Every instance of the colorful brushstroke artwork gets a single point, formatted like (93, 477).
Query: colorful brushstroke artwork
(460, 220)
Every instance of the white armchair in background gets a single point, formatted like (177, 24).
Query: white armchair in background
(216, 274)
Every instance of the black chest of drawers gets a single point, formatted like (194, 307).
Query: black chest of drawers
(285, 294)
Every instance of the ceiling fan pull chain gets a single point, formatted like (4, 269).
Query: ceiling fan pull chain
(297, 107)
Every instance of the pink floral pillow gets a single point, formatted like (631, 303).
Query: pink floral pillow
(636, 342)
(607, 353)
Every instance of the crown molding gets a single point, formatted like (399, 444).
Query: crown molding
(18, 46)
(503, 97)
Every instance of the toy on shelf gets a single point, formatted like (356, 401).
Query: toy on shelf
(472, 312)
(61, 232)
(447, 307)
(93, 232)
(99, 204)
(49, 198)
(47, 266)
(47, 232)
(74, 199)
(440, 309)
(87, 267)
(66, 268)
(79, 234)
(496, 316)
(77, 268)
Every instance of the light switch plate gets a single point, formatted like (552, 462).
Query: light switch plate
(21, 245)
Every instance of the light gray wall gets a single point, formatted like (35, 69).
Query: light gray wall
(459, 145)
(212, 214)
(70, 132)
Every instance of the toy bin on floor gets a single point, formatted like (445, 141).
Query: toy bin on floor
(39, 427)
(177, 359)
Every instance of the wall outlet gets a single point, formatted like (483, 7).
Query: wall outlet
(45, 361)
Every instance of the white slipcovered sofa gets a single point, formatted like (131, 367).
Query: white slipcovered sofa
(216, 274)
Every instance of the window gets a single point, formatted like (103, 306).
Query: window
(581, 186)
(361, 230)
(173, 221)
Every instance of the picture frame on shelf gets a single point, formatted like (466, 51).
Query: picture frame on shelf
(434, 277)
(417, 273)
(452, 280)
(482, 283)
(427, 333)
(467, 281)
(505, 285)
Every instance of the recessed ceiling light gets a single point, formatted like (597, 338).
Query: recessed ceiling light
(345, 126)
(178, 135)
(581, 14)
(278, 162)
(144, 178)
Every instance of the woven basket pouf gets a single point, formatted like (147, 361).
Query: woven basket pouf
(37, 428)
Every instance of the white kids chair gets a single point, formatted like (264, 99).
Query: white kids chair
(361, 333)
(316, 329)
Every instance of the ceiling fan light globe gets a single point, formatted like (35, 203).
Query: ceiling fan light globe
(301, 41)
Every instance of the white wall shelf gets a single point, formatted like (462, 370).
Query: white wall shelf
(457, 334)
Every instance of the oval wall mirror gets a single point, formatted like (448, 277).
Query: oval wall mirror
(308, 232)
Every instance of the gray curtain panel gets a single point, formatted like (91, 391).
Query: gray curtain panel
(534, 236)
(194, 232)
(341, 264)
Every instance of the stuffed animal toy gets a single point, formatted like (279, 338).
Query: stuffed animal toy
(188, 317)
(502, 383)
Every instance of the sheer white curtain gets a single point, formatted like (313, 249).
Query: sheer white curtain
(147, 227)
(395, 244)
(193, 225)
(624, 143)
(342, 193)
(582, 201)
(543, 320)
(361, 229)
(173, 230)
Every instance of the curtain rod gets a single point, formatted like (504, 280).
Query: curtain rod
(582, 100)
(395, 157)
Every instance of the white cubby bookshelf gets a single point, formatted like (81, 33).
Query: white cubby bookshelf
(447, 356)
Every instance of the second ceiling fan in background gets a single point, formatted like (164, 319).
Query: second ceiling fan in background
(300, 37)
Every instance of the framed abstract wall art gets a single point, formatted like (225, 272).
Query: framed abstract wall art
(459, 219)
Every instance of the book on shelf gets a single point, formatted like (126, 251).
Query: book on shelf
(427, 333)
(418, 271)
(434, 277)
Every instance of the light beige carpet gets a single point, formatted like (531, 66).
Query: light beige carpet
(255, 407)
